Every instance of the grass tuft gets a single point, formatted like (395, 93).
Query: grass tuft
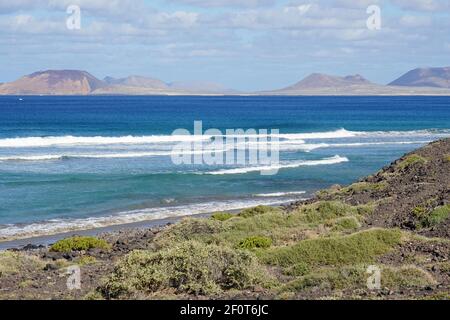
(14, 262)
(413, 159)
(345, 224)
(326, 210)
(436, 216)
(361, 187)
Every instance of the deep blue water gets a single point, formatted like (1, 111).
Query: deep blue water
(91, 161)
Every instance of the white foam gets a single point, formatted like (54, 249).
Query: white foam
(99, 140)
(31, 158)
(293, 164)
(51, 157)
(410, 133)
(289, 145)
(279, 194)
(9, 232)
(22, 142)
(363, 144)
(341, 133)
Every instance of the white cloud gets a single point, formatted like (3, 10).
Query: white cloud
(226, 3)
(411, 21)
(422, 5)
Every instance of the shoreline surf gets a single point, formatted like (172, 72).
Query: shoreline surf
(37, 231)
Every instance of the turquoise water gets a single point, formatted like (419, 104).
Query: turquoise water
(81, 162)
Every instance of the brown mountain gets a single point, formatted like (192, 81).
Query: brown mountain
(324, 84)
(432, 81)
(137, 81)
(318, 80)
(328, 85)
(425, 77)
(54, 82)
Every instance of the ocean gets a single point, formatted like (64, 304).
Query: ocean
(72, 163)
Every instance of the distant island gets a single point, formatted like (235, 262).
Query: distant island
(422, 81)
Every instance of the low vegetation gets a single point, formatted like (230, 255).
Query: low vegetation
(86, 260)
(344, 224)
(247, 213)
(436, 216)
(14, 262)
(355, 278)
(412, 160)
(190, 267)
(361, 247)
(255, 242)
(355, 188)
(221, 216)
(429, 218)
(78, 243)
(281, 227)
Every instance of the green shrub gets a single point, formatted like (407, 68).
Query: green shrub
(436, 216)
(78, 243)
(411, 160)
(299, 269)
(360, 247)
(189, 267)
(255, 242)
(439, 214)
(221, 216)
(250, 212)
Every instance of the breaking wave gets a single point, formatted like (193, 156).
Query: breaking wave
(293, 164)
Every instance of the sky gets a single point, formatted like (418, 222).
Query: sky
(243, 44)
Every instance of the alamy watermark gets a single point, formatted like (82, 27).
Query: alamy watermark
(73, 21)
(74, 280)
(374, 280)
(374, 20)
(234, 147)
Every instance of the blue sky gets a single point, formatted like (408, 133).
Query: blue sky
(243, 44)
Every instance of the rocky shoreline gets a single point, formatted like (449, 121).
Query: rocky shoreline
(397, 219)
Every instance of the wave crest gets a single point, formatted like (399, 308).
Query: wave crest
(294, 164)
